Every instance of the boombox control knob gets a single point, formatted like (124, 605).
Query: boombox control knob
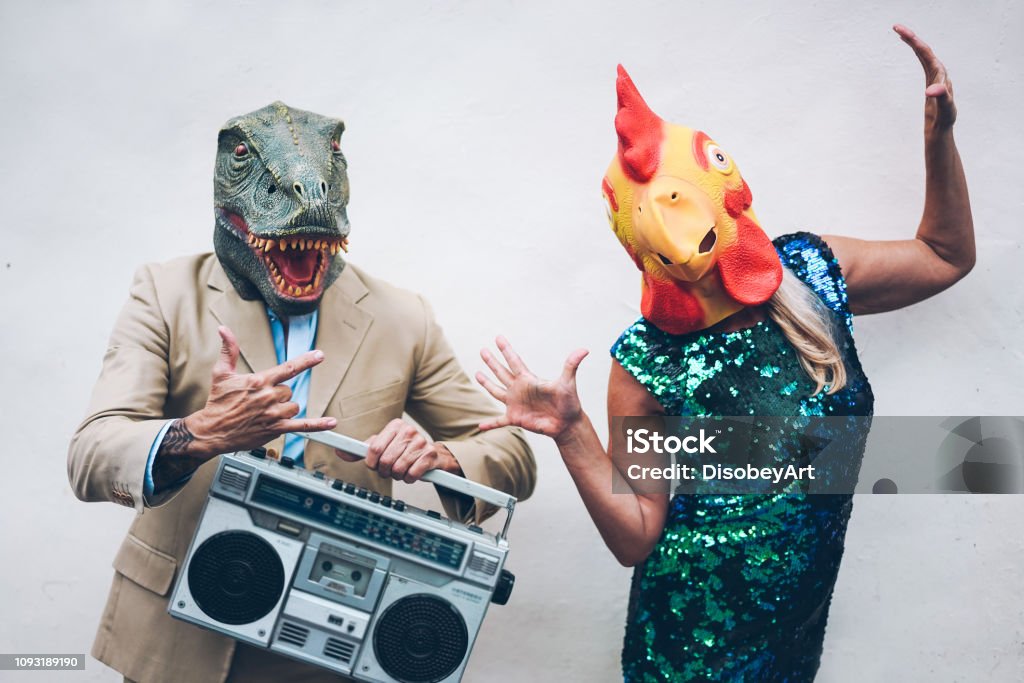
(503, 589)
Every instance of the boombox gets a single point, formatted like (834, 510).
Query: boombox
(338, 576)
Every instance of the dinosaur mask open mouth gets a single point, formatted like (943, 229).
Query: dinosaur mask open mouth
(297, 263)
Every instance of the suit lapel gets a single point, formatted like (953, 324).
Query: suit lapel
(247, 319)
(341, 328)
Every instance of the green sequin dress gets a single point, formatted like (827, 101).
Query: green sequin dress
(738, 587)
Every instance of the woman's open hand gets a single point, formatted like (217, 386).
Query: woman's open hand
(939, 108)
(541, 406)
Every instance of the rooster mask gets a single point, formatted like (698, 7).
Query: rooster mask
(679, 206)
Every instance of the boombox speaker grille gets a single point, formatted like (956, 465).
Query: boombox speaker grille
(420, 639)
(235, 577)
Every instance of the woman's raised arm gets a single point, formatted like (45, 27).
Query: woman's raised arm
(886, 275)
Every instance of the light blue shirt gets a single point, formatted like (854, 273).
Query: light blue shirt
(301, 338)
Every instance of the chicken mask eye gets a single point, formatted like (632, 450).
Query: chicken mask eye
(718, 158)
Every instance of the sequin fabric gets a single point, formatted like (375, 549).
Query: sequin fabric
(738, 587)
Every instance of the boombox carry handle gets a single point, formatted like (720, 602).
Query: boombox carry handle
(439, 477)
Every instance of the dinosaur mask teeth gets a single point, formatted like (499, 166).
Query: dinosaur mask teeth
(296, 265)
(333, 246)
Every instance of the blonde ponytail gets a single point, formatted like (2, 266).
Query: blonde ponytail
(808, 327)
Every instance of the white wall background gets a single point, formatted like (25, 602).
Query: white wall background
(477, 137)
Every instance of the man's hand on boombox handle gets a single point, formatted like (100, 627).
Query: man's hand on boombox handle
(401, 452)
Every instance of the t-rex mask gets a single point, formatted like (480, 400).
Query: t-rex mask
(678, 205)
(280, 188)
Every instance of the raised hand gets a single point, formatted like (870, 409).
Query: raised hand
(545, 407)
(243, 411)
(940, 109)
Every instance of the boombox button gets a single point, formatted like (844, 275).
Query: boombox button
(386, 501)
(475, 529)
(399, 505)
(318, 474)
(350, 488)
(287, 462)
(434, 513)
(260, 453)
(374, 496)
(361, 493)
(337, 484)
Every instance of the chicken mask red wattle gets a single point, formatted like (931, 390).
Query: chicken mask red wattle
(677, 203)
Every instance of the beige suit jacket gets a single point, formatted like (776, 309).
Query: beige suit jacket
(384, 355)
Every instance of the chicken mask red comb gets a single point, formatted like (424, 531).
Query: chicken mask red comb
(681, 209)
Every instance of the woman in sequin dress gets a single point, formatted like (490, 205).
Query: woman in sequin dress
(734, 587)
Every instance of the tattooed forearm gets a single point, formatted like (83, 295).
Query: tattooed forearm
(173, 461)
(177, 439)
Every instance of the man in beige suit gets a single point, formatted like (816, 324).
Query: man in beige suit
(204, 360)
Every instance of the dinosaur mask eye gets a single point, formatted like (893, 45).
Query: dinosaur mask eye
(241, 150)
(718, 158)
